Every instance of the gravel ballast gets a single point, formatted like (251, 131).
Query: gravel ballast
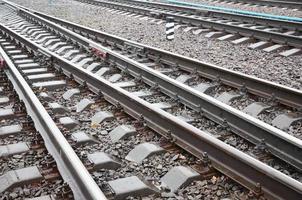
(151, 169)
(270, 66)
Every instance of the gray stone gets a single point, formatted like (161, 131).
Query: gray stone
(198, 31)
(242, 40)
(102, 160)
(178, 26)
(142, 93)
(14, 52)
(77, 58)
(101, 116)
(44, 39)
(291, 52)
(57, 108)
(183, 78)
(245, 25)
(85, 61)
(12, 149)
(83, 104)
(260, 44)
(178, 177)
(185, 118)
(92, 66)
(10, 130)
(284, 121)
(289, 33)
(34, 30)
(64, 48)
(81, 137)
(70, 53)
(48, 197)
(45, 97)
(50, 85)
(70, 93)
(257, 27)
(104, 132)
(29, 66)
(142, 151)
(204, 87)
(26, 191)
(228, 97)
(38, 33)
(214, 34)
(41, 77)
(227, 37)
(10, 47)
(256, 108)
(68, 123)
(272, 29)
(19, 56)
(162, 105)
(13, 195)
(121, 132)
(103, 71)
(57, 45)
(25, 61)
(35, 71)
(130, 186)
(274, 48)
(18, 177)
(188, 29)
(6, 113)
(125, 84)
(4, 100)
(114, 78)
(51, 42)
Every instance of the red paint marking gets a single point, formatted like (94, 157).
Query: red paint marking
(99, 53)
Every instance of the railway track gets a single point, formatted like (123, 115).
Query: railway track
(297, 5)
(202, 78)
(90, 144)
(90, 148)
(32, 149)
(269, 35)
(131, 92)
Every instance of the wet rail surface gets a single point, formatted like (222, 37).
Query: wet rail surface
(93, 67)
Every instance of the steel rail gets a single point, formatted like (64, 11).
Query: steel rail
(267, 89)
(282, 145)
(244, 169)
(291, 25)
(287, 4)
(70, 166)
(275, 37)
